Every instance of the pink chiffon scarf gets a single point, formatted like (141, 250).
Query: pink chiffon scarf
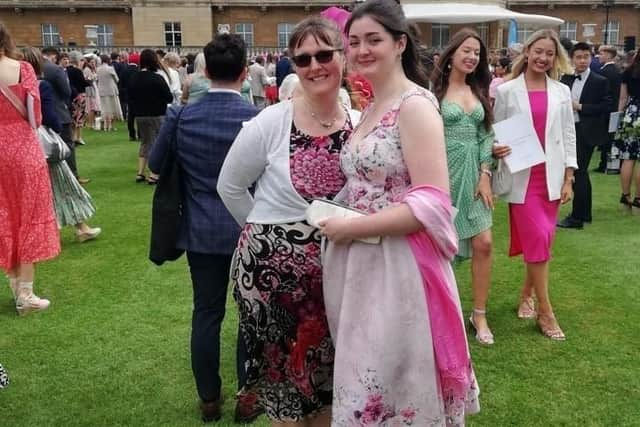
(434, 248)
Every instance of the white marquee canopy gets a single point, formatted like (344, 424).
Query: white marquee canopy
(465, 13)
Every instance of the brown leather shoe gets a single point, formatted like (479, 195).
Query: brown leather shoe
(247, 409)
(211, 411)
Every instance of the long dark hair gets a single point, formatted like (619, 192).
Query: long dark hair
(479, 80)
(389, 14)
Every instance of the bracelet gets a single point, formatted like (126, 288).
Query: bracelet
(486, 171)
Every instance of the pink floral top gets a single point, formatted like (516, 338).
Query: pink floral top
(314, 163)
(377, 175)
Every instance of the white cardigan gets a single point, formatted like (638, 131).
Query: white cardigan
(260, 154)
(560, 133)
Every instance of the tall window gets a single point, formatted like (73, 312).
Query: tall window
(284, 32)
(614, 32)
(245, 31)
(50, 35)
(524, 31)
(439, 35)
(105, 35)
(172, 34)
(483, 32)
(569, 30)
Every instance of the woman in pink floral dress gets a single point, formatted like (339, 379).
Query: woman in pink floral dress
(393, 308)
(291, 151)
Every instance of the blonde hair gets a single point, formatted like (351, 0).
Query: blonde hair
(561, 64)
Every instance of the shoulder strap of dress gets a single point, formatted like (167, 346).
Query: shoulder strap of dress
(13, 99)
(418, 91)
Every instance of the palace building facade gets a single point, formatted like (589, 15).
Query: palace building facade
(267, 24)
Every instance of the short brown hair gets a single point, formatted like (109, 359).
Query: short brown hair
(33, 57)
(7, 48)
(320, 29)
(611, 50)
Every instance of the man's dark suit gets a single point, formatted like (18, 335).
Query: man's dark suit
(591, 131)
(123, 88)
(57, 78)
(208, 233)
(613, 74)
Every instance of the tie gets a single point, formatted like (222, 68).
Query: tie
(578, 76)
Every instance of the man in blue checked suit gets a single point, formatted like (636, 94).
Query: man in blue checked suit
(204, 133)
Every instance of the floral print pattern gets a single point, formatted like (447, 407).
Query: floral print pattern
(277, 279)
(382, 175)
(315, 163)
(627, 138)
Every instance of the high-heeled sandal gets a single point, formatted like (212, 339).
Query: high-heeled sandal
(485, 338)
(28, 302)
(527, 308)
(625, 201)
(550, 327)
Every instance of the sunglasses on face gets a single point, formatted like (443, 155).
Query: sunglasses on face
(322, 57)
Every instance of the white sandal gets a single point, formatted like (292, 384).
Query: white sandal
(484, 338)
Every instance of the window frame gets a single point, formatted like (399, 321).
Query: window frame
(441, 29)
(286, 34)
(610, 30)
(53, 32)
(483, 31)
(104, 31)
(174, 30)
(567, 32)
(523, 33)
(247, 36)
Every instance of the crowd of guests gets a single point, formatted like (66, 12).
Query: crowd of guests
(411, 147)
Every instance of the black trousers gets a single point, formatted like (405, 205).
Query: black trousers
(66, 137)
(582, 187)
(131, 123)
(210, 279)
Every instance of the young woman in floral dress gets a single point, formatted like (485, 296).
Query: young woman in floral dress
(393, 308)
(291, 152)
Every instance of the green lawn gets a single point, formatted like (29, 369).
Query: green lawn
(113, 349)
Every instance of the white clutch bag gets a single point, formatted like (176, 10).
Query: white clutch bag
(321, 209)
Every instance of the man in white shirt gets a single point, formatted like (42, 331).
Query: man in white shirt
(592, 104)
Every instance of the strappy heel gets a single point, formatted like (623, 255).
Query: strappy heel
(28, 302)
(527, 308)
(625, 202)
(485, 338)
(549, 327)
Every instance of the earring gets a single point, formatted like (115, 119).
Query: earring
(449, 66)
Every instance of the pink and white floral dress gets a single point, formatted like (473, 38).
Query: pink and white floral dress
(385, 371)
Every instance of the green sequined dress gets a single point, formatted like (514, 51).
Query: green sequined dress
(468, 146)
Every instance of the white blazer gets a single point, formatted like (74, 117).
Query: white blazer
(560, 132)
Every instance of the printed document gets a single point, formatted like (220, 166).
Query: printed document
(518, 133)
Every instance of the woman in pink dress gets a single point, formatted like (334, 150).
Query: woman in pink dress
(393, 308)
(536, 193)
(28, 229)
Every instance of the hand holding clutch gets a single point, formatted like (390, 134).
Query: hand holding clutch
(320, 209)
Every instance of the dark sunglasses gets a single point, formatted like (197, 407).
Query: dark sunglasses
(322, 56)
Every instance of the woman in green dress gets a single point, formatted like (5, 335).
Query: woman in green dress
(461, 84)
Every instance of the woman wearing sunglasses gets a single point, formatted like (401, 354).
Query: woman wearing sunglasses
(291, 152)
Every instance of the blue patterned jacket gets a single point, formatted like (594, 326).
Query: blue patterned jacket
(205, 132)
